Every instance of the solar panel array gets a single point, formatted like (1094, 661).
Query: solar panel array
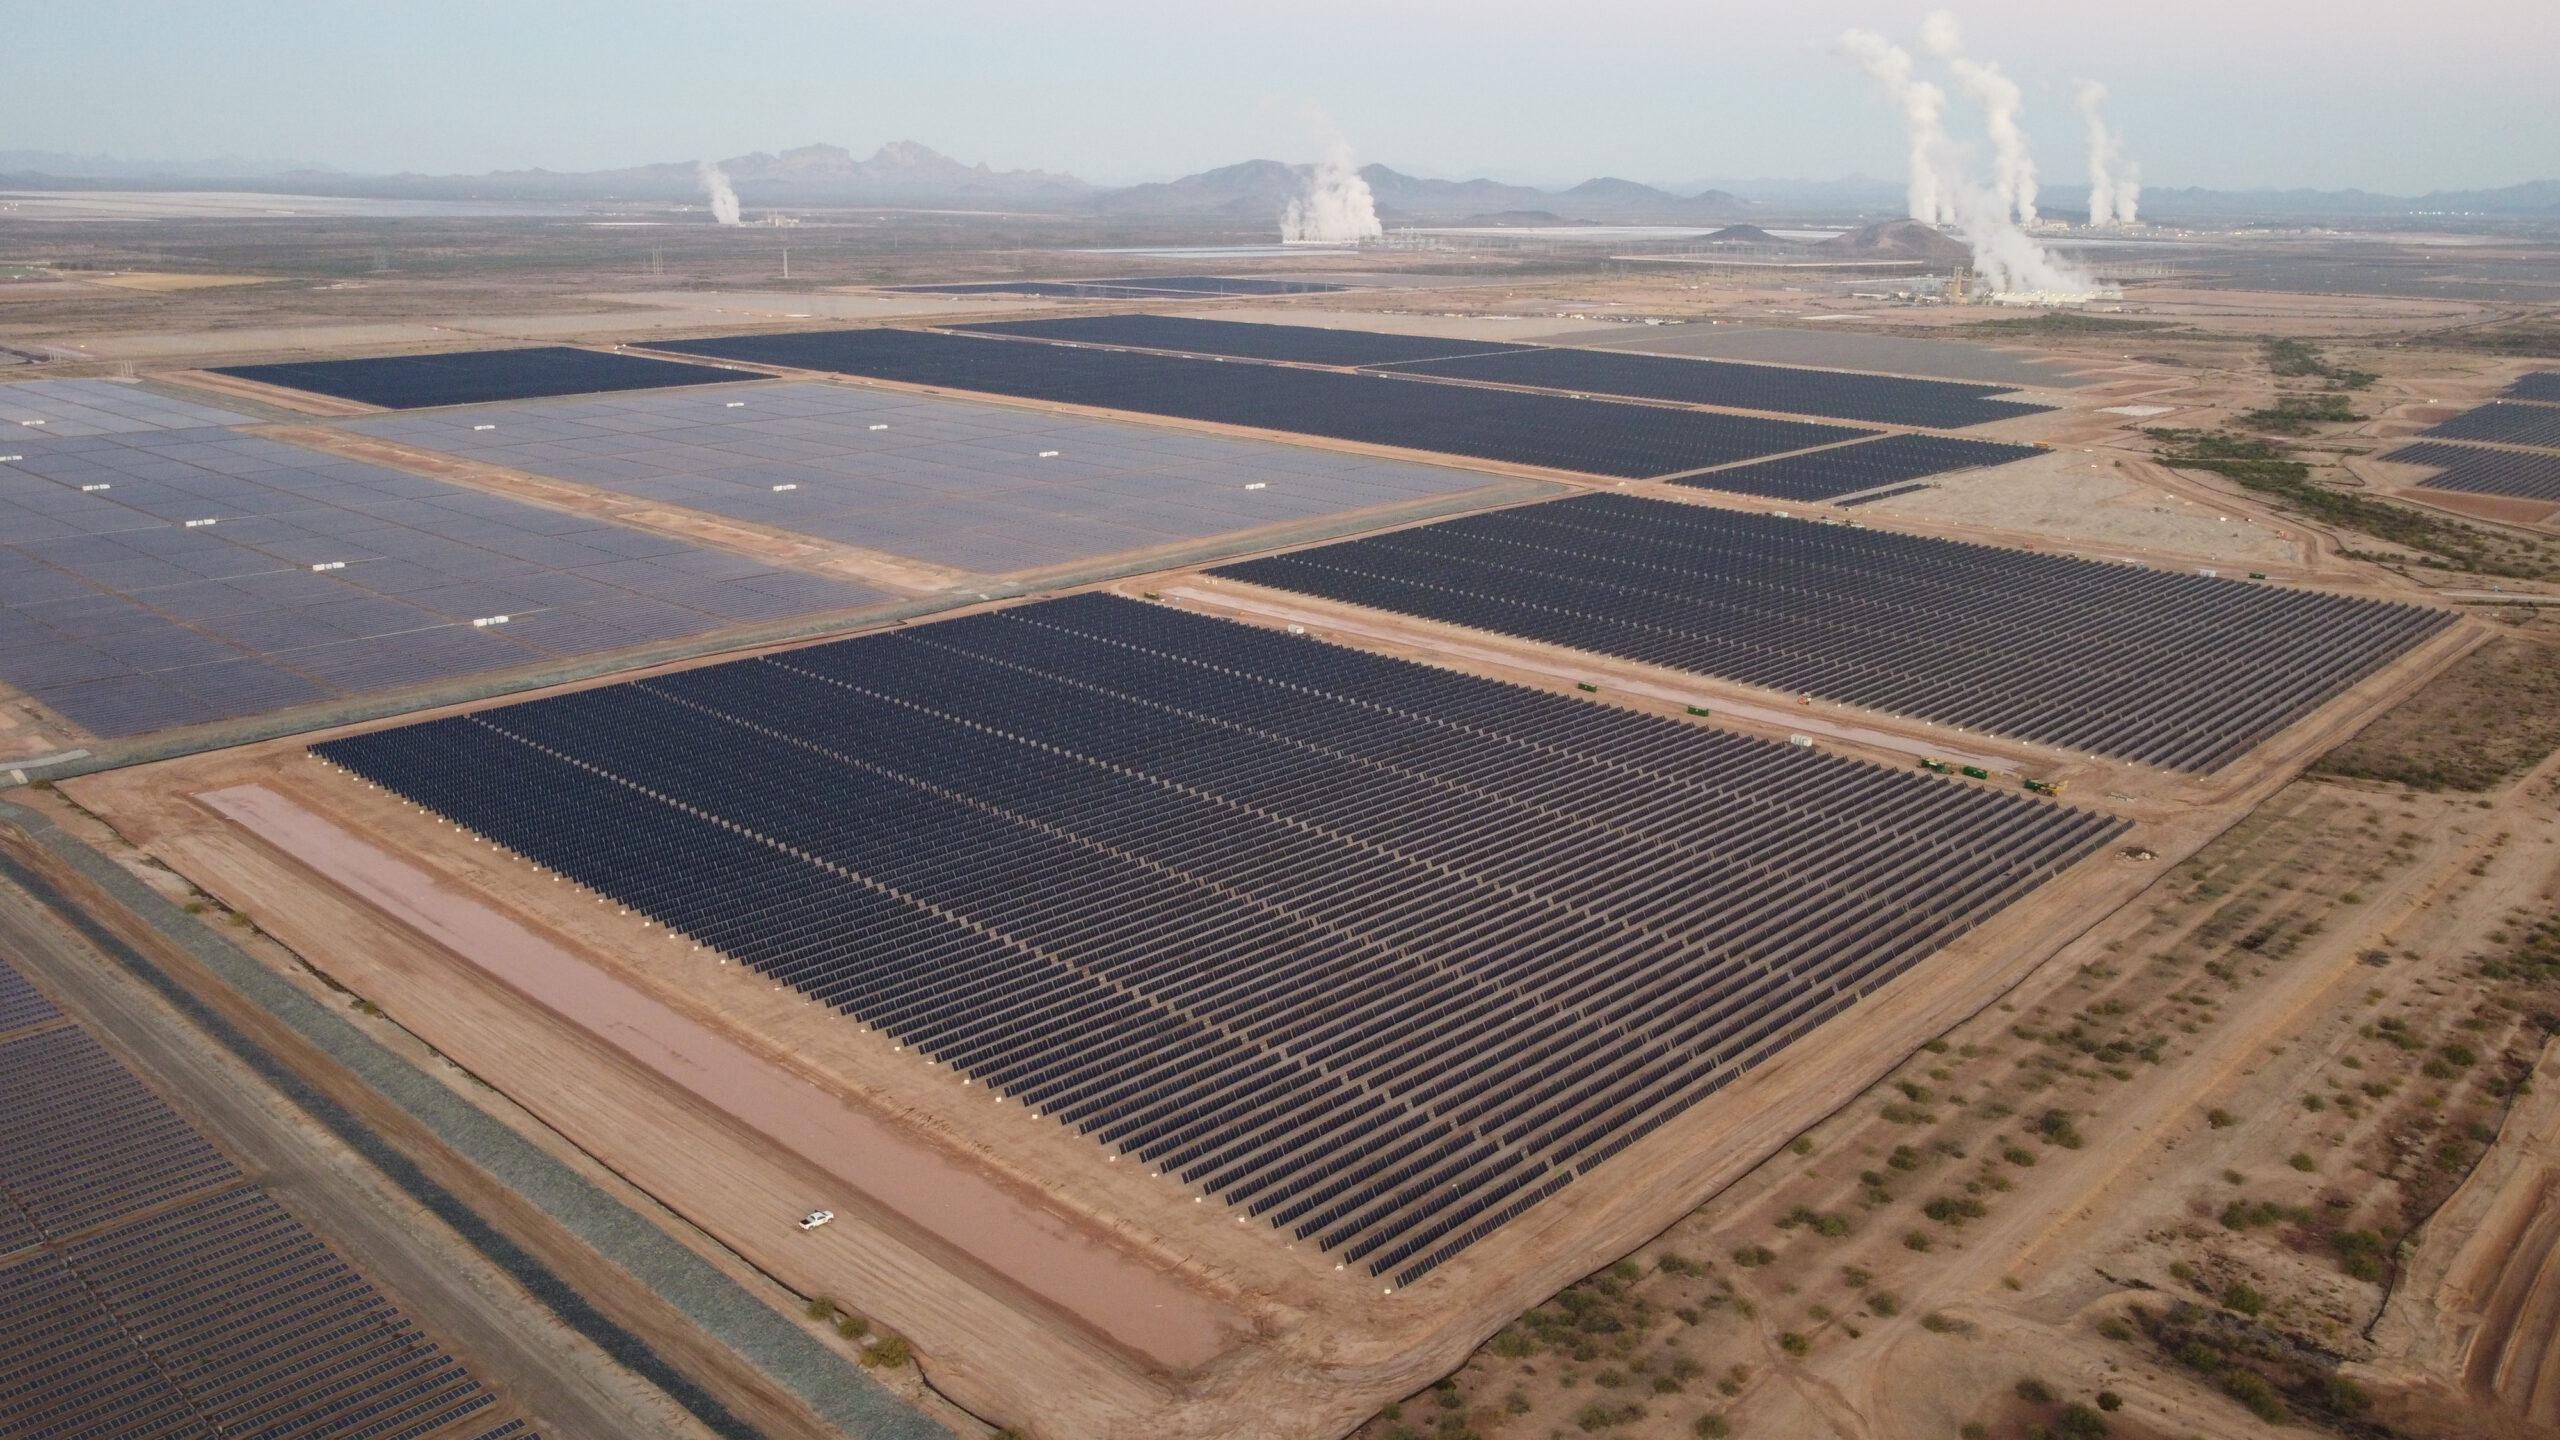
(147, 1290)
(123, 610)
(2176, 670)
(471, 377)
(1376, 953)
(98, 407)
(1888, 399)
(1243, 339)
(1848, 469)
(2478, 470)
(2508, 422)
(2541, 385)
(1552, 431)
(1152, 287)
(986, 488)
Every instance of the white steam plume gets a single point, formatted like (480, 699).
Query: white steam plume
(1921, 104)
(715, 183)
(2006, 257)
(2013, 166)
(2115, 183)
(1336, 206)
(2103, 145)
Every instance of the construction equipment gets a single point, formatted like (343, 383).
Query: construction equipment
(1976, 772)
(1940, 766)
(2043, 787)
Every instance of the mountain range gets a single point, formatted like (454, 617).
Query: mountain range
(905, 173)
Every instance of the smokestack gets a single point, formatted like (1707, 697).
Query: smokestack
(1336, 207)
(2013, 165)
(1921, 104)
(715, 183)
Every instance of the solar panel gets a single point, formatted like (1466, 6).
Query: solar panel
(2181, 671)
(970, 485)
(1885, 399)
(125, 617)
(1377, 954)
(1161, 286)
(1889, 399)
(1550, 431)
(408, 382)
(2507, 422)
(1848, 469)
(58, 408)
(2524, 474)
(1307, 344)
(148, 1290)
(2541, 385)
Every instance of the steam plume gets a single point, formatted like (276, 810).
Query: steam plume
(1921, 104)
(715, 183)
(2115, 184)
(2102, 154)
(2013, 165)
(1336, 206)
(2007, 258)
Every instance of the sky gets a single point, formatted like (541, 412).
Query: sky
(2377, 94)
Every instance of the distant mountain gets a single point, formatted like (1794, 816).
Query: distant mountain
(1252, 193)
(2534, 197)
(1255, 191)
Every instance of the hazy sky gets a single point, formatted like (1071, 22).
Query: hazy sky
(2373, 93)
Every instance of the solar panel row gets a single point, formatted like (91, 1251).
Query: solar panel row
(1883, 399)
(1887, 399)
(1873, 496)
(176, 577)
(987, 488)
(2479, 471)
(86, 1142)
(2167, 669)
(1848, 469)
(409, 382)
(1552, 431)
(98, 407)
(146, 1290)
(22, 1005)
(2540, 385)
(1144, 287)
(2509, 422)
(1244, 340)
(1377, 953)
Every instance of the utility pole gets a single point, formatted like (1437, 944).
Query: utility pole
(786, 262)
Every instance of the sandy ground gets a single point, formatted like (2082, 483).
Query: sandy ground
(2099, 500)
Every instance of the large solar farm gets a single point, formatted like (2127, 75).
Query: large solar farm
(1196, 855)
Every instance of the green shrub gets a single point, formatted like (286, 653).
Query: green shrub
(2245, 1298)
(2079, 1422)
(1794, 1344)
(2251, 1389)
(1752, 1257)
(2034, 1391)
(1711, 1426)
(2219, 1119)
(890, 1353)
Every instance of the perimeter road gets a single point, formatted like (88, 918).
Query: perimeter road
(797, 1361)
